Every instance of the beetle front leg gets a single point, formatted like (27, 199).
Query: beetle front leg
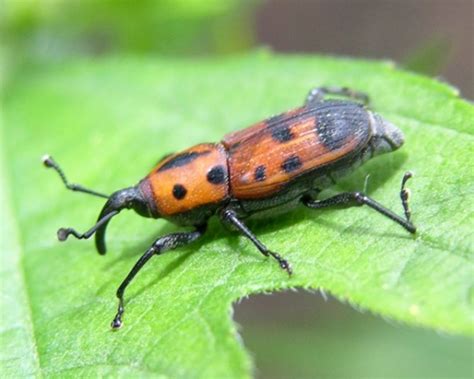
(229, 216)
(359, 198)
(162, 244)
(317, 95)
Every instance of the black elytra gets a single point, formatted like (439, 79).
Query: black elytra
(338, 122)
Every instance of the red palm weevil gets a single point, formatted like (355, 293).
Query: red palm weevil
(284, 160)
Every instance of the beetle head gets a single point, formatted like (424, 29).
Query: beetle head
(128, 198)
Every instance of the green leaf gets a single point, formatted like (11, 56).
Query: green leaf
(428, 59)
(109, 121)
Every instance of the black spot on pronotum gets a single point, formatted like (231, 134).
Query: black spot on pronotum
(216, 175)
(291, 164)
(181, 160)
(164, 157)
(179, 192)
(260, 174)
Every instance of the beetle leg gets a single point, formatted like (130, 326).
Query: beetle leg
(230, 217)
(49, 162)
(317, 95)
(162, 244)
(359, 198)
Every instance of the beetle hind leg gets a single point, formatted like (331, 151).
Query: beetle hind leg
(318, 94)
(229, 217)
(359, 198)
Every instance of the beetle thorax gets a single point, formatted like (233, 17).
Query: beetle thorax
(191, 179)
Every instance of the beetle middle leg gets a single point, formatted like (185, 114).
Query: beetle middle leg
(317, 95)
(230, 217)
(162, 244)
(359, 198)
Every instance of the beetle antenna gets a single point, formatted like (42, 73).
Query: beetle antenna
(64, 233)
(49, 162)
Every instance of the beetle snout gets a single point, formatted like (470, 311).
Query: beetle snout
(386, 136)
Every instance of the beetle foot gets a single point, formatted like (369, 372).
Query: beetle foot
(117, 321)
(284, 264)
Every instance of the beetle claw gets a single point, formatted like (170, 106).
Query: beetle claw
(284, 264)
(116, 324)
(117, 321)
(287, 267)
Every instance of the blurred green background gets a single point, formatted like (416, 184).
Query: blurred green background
(429, 36)
(292, 334)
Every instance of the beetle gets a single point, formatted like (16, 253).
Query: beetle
(282, 161)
